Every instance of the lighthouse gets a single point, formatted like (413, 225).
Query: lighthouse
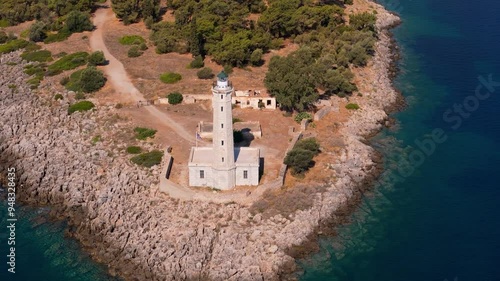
(222, 166)
(223, 144)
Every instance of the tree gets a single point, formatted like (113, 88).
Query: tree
(205, 73)
(299, 160)
(337, 81)
(174, 98)
(363, 21)
(256, 57)
(197, 62)
(233, 49)
(97, 58)
(292, 80)
(92, 79)
(310, 144)
(166, 37)
(37, 32)
(278, 18)
(134, 52)
(77, 21)
(131, 11)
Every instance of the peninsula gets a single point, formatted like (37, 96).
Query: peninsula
(114, 116)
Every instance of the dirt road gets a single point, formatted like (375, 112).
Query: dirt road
(119, 79)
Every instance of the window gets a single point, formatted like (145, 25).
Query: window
(202, 174)
(222, 159)
(221, 108)
(221, 97)
(245, 174)
(222, 125)
(222, 142)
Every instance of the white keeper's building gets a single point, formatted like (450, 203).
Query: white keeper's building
(223, 166)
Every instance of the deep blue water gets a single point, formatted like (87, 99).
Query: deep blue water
(441, 222)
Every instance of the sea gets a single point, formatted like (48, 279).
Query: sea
(434, 213)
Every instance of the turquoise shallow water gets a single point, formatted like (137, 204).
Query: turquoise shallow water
(441, 222)
(43, 252)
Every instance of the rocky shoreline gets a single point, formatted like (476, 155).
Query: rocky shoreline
(114, 209)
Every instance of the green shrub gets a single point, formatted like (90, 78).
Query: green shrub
(276, 43)
(58, 97)
(81, 106)
(235, 120)
(77, 21)
(131, 40)
(134, 52)
(68, 62)
(134, 150)
(144, 133)
(92, 79)
(170, 77)
(38, 56)
(13, 45)
(237, 136)
(310, 144)
(96, 139)
(87, 80)
(353, 106)
(205, 73)
(37, 70)
(148, 159)
(31, 47)
(36, 33)
(72, 82)
(197, 62)
(97, 58)
(175, 98)
(143, 47)
(56, 37)
(256, 57)
(299, 160)
(34, 82)
(302, 115)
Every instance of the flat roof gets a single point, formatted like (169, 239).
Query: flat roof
(247, 156)
(242, 155)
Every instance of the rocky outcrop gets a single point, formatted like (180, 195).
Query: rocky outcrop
(115, 210)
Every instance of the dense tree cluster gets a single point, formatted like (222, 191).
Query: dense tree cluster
(131, 11)
(217, 28)
(224, 30)
(323, 62)
(48, 11)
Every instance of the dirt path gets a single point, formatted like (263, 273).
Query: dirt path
(118, 77)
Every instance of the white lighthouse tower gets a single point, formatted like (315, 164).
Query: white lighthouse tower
(221, 165)
(223, 144)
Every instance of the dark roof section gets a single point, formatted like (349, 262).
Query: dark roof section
(222, 76)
